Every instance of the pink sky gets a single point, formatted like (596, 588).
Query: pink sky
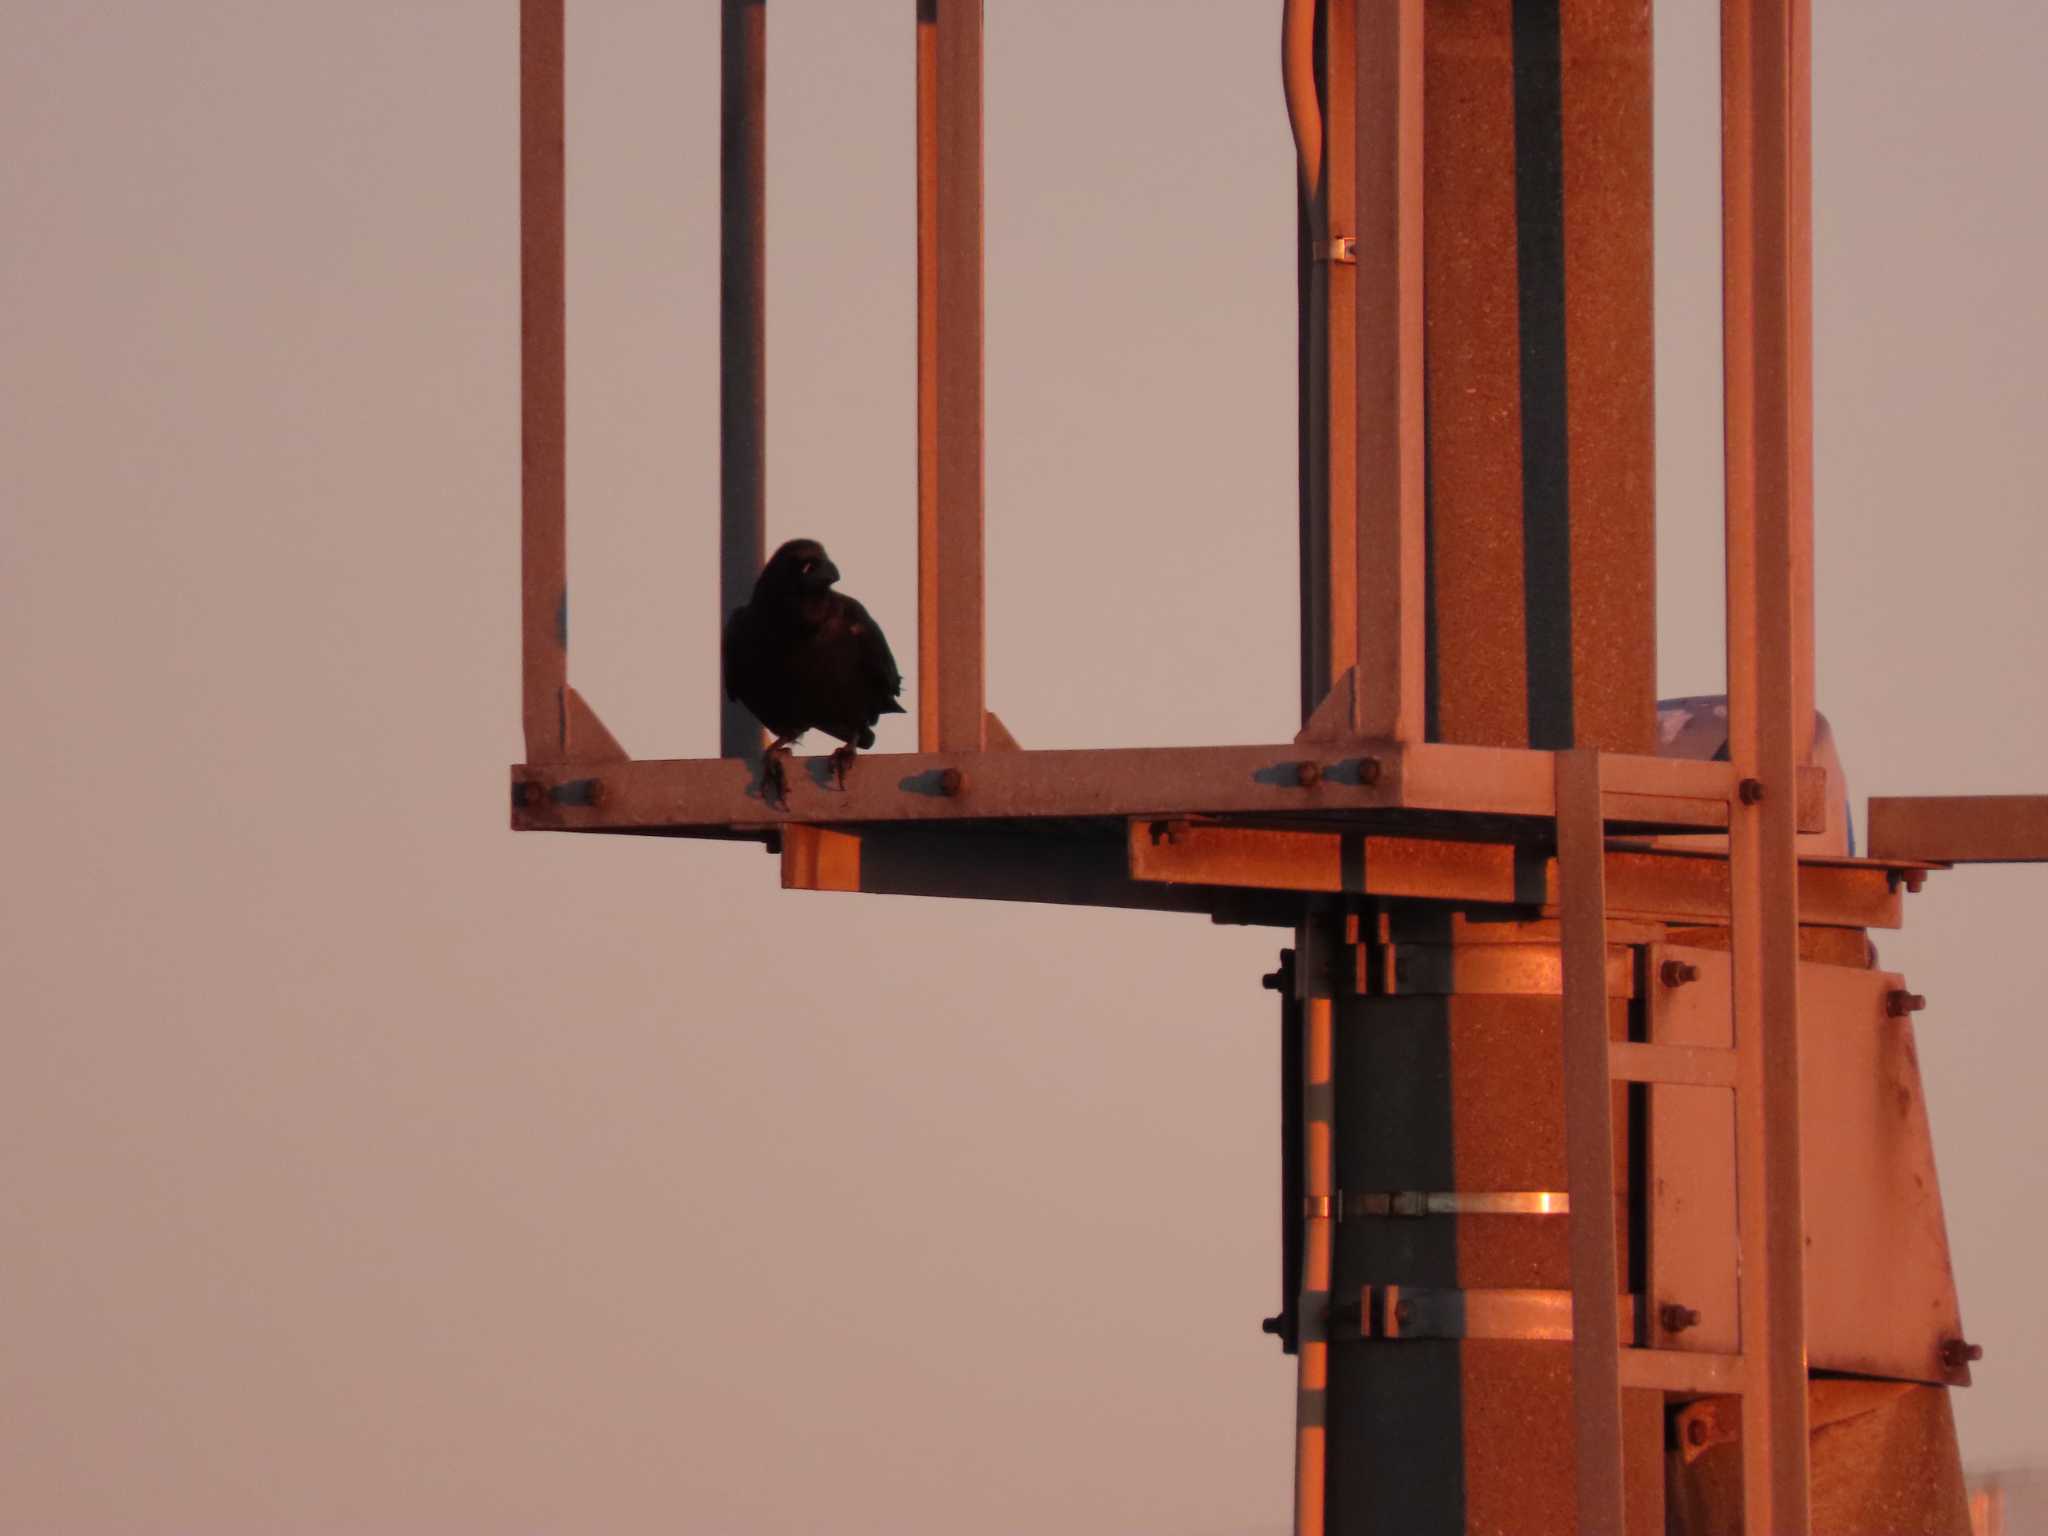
(366, 1168)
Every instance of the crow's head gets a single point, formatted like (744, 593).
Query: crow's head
(800, 569)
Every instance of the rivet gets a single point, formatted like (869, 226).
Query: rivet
(1308, 775)
(1750, 791)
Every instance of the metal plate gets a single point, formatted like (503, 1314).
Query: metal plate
(1880, 1292)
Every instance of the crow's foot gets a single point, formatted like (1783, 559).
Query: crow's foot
(841, 761)
(775, 773)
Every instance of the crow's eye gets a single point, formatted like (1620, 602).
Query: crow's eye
(808, 566)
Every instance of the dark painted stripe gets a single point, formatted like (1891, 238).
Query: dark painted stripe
(1539, 271)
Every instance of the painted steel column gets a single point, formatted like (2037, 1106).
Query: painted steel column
(950, 624)
(1388, 592)
(543, 528)
(742, 336)
(1338, 418)
(1768, 486)
(1540, 369)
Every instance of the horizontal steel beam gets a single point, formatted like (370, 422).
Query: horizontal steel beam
(1666, 885)
(1961, 829)
(1291, 779)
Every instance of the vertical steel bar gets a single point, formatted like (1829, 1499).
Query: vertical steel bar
(1341, 356)
(1387, 461)
(951, 633)
(1799, 364)
(1318, 1236)
(742, 338)
(543, 528)
(1765, 487)
(1589, 1145)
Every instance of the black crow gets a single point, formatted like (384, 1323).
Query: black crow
(803, 657)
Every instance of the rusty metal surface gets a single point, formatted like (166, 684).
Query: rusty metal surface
(543, 529)
(1387, 405)
(742, 335)
(1279, 780)
(1673, 886)
(951, 630)
(1688, 992)
(1691, 1241)
(1884, 1459)
(1766, 321)
(1069, 864)
(1961, 829)
(588, 738)
(1881, 1290)
(1609, 367)
(1534, 970)
(1472, 322)
(1589, 1121)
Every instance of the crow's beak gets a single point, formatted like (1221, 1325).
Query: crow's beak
(827, 574)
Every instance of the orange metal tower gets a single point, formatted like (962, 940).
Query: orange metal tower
(1608, 1197)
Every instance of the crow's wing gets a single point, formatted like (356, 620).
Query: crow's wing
(877, 666)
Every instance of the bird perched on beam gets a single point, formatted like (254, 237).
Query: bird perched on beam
(801, 657)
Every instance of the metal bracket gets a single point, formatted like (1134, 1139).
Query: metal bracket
(1457, 1202)
(1343, 250)
(1420, 1312)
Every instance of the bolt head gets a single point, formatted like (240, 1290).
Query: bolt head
(1272, 980)
(1368, 770)
(951, 782)
(1750, 791)
(1957, 1353)
(1271, 1324)
(1308, 775)
(1676, 973)
(1697, 1430)
(1404, 1311)
(1915, 879)
(1898, 1004)
(525, 793)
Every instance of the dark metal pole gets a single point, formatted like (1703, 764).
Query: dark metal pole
(543, 544)
(742, 370)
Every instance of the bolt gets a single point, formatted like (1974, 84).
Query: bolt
(1272, 981)
(1404, 1312)
(1368, 770)
(525, 792)
(1915, 879)
(1957, 1353)
(1750, 791)
(1677, 1319)
(772, 841)
(1697, 1430)
(1308, 775)
(1274, 1324)
(1676, 973)
(1898, 1004)
(599, 794)
(950, 782)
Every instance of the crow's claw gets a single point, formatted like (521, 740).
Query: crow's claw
(841, 761)
(774, 774)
